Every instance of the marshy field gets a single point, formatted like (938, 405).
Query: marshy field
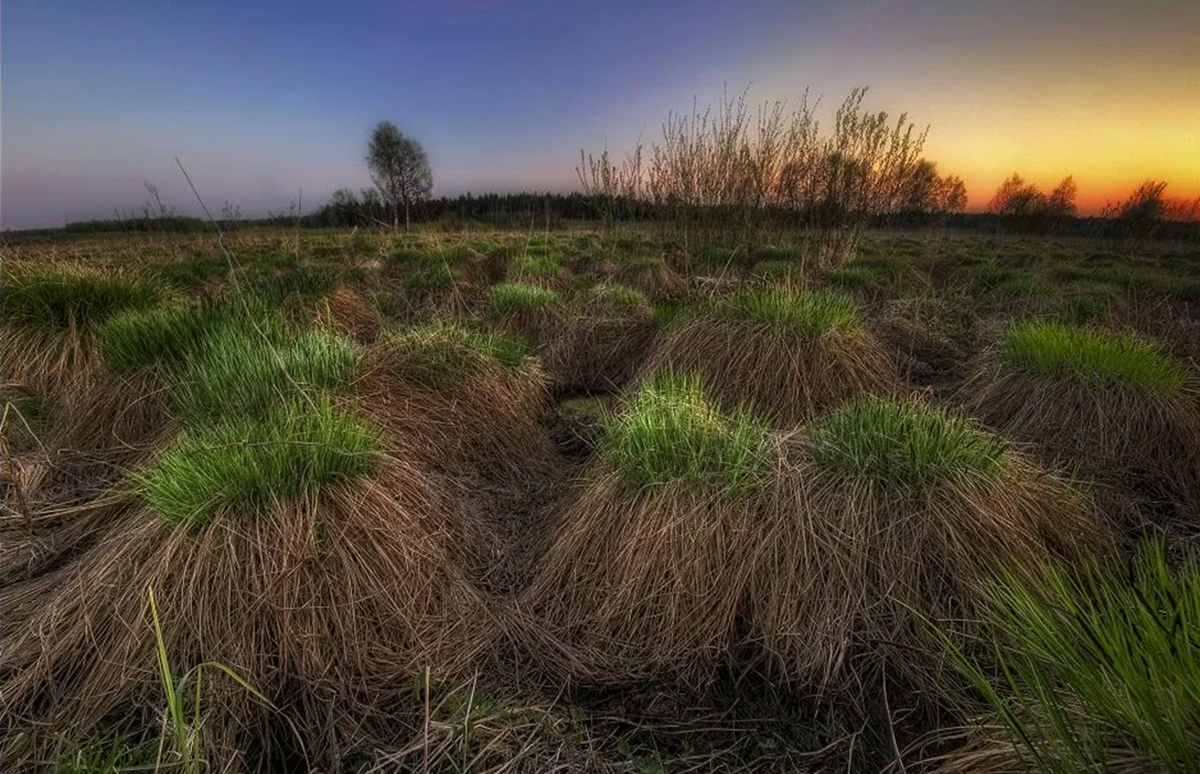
(599, 499)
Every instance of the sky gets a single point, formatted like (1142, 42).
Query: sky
(269, 103)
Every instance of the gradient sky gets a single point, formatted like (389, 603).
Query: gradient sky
(261, 100)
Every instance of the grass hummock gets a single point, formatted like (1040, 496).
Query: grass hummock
(243, 369)
(902, 443)
(1099, 665)
(135, 339)
(536, 267)
(672, 433)
(788, 312)
(518, 297)
(445, 353)
(1099, 357)
(615, 297)
(66, 299)
(250, 462)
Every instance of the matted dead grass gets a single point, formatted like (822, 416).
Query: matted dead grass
(328, 606)
(824, 573)
(790, 378)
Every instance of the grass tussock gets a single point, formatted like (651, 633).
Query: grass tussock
(244, 465)
(787, 353)
(132, 340)
(888, 513)
(349, 314)
(527, 310)
(64, 300)
(48, 320)
(520, 298)
(1106, 407)
(902, 443)
(446, 354)
(255, 594)
(1098, 357)
(246, 370)
(787, 312)
(672, 434)
(1098, 669)
(651, 275)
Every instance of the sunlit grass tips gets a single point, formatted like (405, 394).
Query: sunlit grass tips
(672, 433)
(789, 312)
(520, 297)
(62, 299)
(1088, 355)
(247, 463)
(902, 443)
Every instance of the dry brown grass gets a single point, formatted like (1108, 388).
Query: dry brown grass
(853, 567)
(643, 586)
(790, 378)
(654, 278)
(478, 430)
(823, 578)
(598, 347)
(350, 315)
(1141, 448)
(328, 607)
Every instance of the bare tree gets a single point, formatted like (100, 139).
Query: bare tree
(399, 169)
(154, 207)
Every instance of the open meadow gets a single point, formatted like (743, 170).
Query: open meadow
(599, 499)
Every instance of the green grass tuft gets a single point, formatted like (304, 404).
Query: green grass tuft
(135, 339)
(618, 298)
(536, 267)
(1097, 357)
(902, 443)
(247, 463)
(671, 433)
(518, 297)
(444, 354)
(1100, 665)
(790, 312)
(62, 299)
(240, 370)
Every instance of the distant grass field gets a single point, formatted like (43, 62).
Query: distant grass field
(395, 460)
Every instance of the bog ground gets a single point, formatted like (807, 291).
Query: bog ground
(586, 500)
